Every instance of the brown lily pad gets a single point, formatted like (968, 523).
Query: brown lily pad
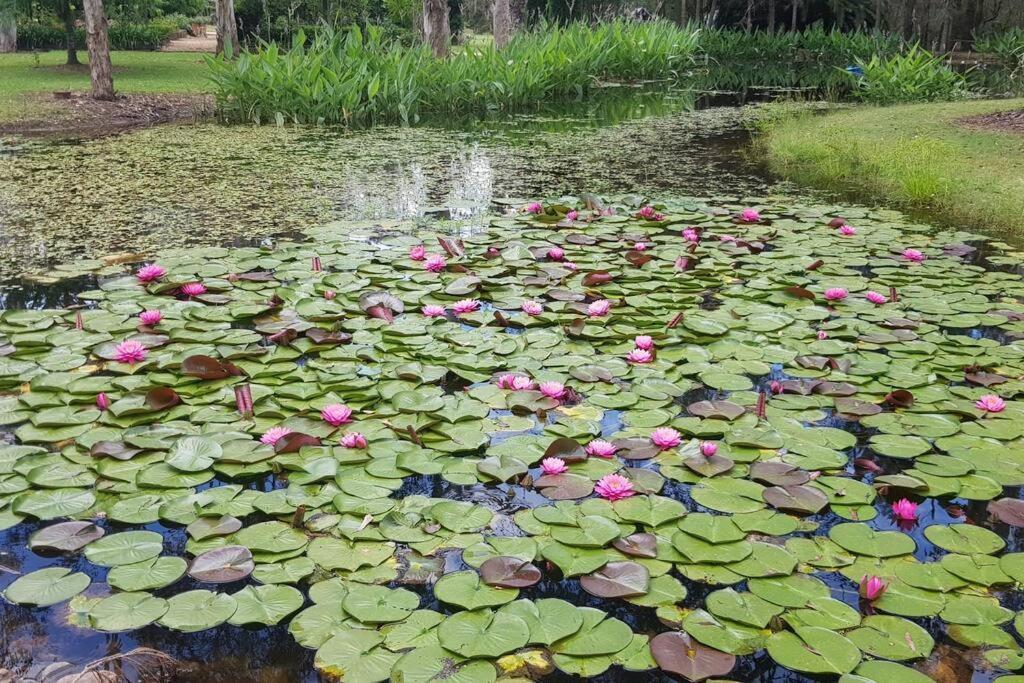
(638, 545)
(66, 537)
(618, 580)
(509, 572)
(1008, 510)
(162, 398)
(799, 499)
(677, 653)
(778, 474)
(207, 367)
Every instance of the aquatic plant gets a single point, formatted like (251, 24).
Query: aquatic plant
(914, 76)
(734, 459)
(360, 77)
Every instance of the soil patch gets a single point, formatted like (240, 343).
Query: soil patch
(1004, 121)
(78, 115)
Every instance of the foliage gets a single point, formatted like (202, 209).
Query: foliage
(123, 36)
(1007, 45)
(812, 44)
(915, 76)
(360, 77)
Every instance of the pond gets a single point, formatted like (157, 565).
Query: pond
(766, 413)
(207, 184)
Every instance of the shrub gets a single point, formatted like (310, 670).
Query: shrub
(917, 76)
(123, 36)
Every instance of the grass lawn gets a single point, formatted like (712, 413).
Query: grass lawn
(27, 73)
(915, 156)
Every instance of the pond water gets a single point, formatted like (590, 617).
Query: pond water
(64, 201)
(181, 190)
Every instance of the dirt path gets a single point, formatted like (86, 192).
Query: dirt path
(1002, 121)
(205, 42)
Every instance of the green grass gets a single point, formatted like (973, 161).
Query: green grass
(914, 156)
(26, 73)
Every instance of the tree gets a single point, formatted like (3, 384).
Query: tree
(98, 42)
(501, 22)
(67, 16)
(436, 30)
(8, 26)
(227, 29)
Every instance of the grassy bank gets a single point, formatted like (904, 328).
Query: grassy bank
(27, 79)
(914, 156)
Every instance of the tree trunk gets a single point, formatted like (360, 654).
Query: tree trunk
(501, 22)
(436, 30)
(795, 19)
(227, 29)
(8, 26)
(749, 18)
(771, 16)
(98, 42)
(68, 18)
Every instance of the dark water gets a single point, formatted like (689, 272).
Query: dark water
(661, 143)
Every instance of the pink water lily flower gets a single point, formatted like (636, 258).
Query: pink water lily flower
(644, 341)
(336, 414)
(639, 356)
(274, 434)
(691, 235)
(532, 307)
(435, 263)
(750, 215)
(682, 263)
(599, 448)
(708, 448)
(599, 308)
(193, 289)
(990, 403)
(822, 334)
(535, 208)
(913, 255)
(466, 306)
(835, 293)
(102, 402)
(151, 318)
(353, 440)
(640, 246)
(555, 390)
(433, 310)
(556, 253)
(775, 386)
(649, 213)
(666, 438)
(614, 487)
(553, 466)
(330, 294)
(130, 352)
(418, 253)
(572, 215)
(520, 383)
(872, 587)
(847, 230)
(904, 509)
(876, 298)
(150, 273)
(569, 265)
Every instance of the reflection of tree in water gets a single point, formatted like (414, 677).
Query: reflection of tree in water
(229, 654)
